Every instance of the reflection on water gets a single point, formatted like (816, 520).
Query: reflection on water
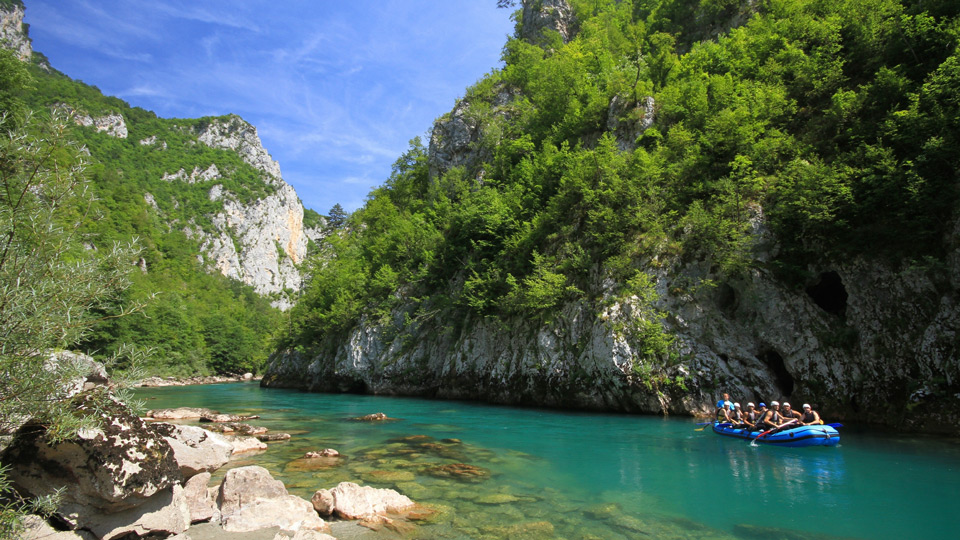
(499, 472)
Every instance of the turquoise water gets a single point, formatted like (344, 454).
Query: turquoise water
(558, 474)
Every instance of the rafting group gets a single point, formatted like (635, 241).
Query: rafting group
(778, 424)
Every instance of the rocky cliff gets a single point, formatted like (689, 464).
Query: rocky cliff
(270, 238)
(13, 33)
(863, 339)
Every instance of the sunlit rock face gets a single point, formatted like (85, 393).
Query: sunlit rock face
(12, 33)
(542, 15)
(259, 243)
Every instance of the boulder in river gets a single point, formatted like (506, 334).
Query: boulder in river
(459, 471)
(242, 445)
(195, 449)
(350, 501)
(271, 437)
(375, 417)
(180, 413)
(250, 499)
(226, 418)
(326, 452)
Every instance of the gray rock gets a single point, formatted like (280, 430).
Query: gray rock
(180, 413)
(195, 449)
(165, 513)
(201, 504)
(37, 528)
(243, 445)
(542, 15)
(250, 499)
(351, 501)
(117, 467)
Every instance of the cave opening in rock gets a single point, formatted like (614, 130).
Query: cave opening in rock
(774, 361)
(727, 299)
(829, 293)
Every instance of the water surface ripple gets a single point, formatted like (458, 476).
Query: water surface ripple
(560, 474)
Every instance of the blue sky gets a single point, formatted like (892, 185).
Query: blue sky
(335, 88)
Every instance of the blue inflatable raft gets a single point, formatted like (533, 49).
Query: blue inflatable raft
(822, 435)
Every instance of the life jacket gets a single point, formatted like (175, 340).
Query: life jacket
(720, 416)
(809, 417)
(753, 416)
(736, 416)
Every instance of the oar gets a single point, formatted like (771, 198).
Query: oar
(778, 428)
(835, 426)
(725, 424)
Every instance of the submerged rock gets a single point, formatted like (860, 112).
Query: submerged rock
(459, 471)
(375, 417)
(226, 418)
(326, 452)
(271, 437)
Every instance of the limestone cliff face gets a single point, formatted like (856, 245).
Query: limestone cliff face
(12, 32)
(543, 15)
(268, 231)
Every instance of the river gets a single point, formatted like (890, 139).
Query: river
(562, 474)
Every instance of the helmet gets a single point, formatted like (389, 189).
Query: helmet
(785, 404)
(774, 403)
(737, 405)
(752, 405)
(806, 405)
(728, 404)
(720, 404)
(762, 404)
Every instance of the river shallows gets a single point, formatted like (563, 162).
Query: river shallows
(558, 474)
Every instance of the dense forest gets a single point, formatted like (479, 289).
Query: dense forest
(657, 132)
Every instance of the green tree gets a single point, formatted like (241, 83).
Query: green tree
(337, 217)
(52, 289)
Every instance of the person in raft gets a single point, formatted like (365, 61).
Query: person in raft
(771, 419)
(723, 412)
(809, 417)
(736, 415)
(789, 414)
(750, 417)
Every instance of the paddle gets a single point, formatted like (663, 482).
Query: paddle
(835, 426)
(776, 429)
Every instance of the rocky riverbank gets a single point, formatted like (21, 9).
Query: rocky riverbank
(207, 379)
(146, 477)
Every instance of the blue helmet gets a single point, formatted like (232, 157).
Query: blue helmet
(720, 404)
(762, 404)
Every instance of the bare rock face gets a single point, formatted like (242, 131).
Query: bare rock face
(457, 138)
(350, 501)
(628, 120)
(111, 124)
(542, 15)
(250, 499)
(13, 35)
(234, 133)
(195, 449)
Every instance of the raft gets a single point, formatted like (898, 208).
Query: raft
(822, 435)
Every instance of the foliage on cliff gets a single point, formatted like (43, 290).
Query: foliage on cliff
(839, 119)
(196, 322)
